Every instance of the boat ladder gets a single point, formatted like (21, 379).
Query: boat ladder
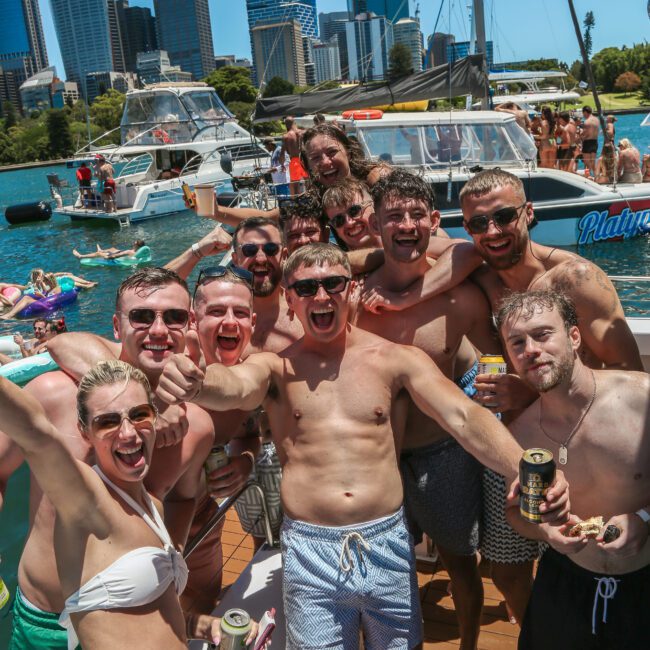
(124, 220)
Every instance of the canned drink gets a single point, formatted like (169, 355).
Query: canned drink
(4, 593)
(216, 458)
(235, 628)
(536, 473)
(492, 364)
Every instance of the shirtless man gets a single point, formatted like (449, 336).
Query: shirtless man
(291, 143)
(442, 481)
(568, 134)
(338, 440)
(176, 468)
(590, 130)
(521, 116)
(588, 593)
(610, 129)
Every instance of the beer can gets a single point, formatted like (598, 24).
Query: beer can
(235, 628)
(492, 364)
(216, 458)
(4, 594)
(536, 473)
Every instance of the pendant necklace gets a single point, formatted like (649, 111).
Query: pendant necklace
(563, 456)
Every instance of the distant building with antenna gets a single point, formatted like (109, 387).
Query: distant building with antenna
(393, 10)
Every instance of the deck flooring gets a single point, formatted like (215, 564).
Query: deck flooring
(440, 627)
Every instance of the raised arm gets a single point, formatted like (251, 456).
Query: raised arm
(215, 242)
(475, 428)
(57, 472)
(233, 216)
(77, 352)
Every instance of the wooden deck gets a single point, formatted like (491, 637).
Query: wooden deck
(440, 628)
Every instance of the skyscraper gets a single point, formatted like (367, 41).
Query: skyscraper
(115, 11)
(278, 51)
(393, 10)
(184, 31)
(407, 32)
(83, 32)
(369, 40)
(327, 23)
(326, 58)
(138, 29)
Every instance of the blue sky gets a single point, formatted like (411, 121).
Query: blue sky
(520, 30)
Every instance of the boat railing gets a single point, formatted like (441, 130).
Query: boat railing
(220, 513)
(87, 148)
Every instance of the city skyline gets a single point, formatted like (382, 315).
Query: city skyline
(507, 24)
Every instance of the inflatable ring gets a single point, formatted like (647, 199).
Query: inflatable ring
(24, 370)
(9, 347)
(368, 114)
(49, 304)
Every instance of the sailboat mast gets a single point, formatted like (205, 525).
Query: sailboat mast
(481, 48)
(585, 61)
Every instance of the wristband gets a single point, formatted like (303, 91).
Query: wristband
(251, 456)
(196, 251)
(644, 515)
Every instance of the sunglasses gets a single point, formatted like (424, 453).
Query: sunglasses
(107, 425)
(269, 249)
(174, 319)
(212, 272)
(332, 285)
(480, 223)
(354, 212)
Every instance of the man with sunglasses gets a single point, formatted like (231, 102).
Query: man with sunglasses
(442, 481)
(151, 319)
(335, 400)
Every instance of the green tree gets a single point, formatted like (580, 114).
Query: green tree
(645, 88)
(233, 84)
(588, 23)
(399, 62)
(628, 82)
(60, 136)
(11, 119)
(277, 87)
(106, 110)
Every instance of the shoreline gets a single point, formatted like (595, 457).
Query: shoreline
(33, 165)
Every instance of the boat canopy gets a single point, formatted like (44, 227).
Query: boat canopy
(466, 76)
(171, 115)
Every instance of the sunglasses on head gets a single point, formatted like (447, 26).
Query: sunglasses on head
(480, 223)
(354, 212)
(332, 285)
(108, 424)
(212, 272)
(174, 319)
(269, 249)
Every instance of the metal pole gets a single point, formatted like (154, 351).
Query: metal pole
(585, 60)
(481, 48)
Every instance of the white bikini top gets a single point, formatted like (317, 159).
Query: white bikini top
(137, 578)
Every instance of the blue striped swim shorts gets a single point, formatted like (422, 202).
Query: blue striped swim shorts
(339, 580)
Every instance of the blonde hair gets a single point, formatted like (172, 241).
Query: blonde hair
(317, 254)
(107, 373)
(624, 143)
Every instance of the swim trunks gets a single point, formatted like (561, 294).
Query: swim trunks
(34, 629)
(466, 382)
(499, 542)
(443, 495)
(590, 146)
(205, 563)
(572, 608)
(338, 580)
(565, 153)
(296, 170)
(267, 473)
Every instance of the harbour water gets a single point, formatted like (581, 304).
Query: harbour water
(48, 245)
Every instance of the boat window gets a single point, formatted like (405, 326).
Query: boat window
(138, 165)
(244, 151)
(543, 188)
(522, 141)
(205, 106)
(397, 145)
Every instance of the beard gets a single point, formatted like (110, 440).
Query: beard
(505, 262)
(268, 284)
(560, 371)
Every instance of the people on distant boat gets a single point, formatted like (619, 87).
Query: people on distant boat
(104, 172)
(588, 585)
(291, 144)
(610, 129)
(521, 116)
(84, 177)
(590, 130)
(606, 166)
(567, 133)
(139, 250)
(279, 169)
(546, 139)
(629, 159)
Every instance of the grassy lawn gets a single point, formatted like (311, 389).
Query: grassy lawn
(617, 100)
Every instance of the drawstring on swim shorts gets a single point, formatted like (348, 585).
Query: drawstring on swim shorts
(606, 589)
(345, 559)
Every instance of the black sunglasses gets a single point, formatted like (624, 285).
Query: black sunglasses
(269, 249)
(307, 288)
(480, 223)
(174, 319)
(354, 212)
(212, 272)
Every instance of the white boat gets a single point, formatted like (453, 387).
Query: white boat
(533, 96)
(170, 134)
(450, 147)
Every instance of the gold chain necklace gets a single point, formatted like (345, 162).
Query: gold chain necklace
(563, 456)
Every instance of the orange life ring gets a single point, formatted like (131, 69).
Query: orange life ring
(163, 136)
(368, 114)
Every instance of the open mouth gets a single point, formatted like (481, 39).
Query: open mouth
(157, 349)
(497, 245)
(322, 318)
(330, 176)
(356, 230)
(132, 456)
(228, 341)
(405, 241)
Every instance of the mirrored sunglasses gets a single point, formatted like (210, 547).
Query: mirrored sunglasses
(174, 319)
(106, 425)
(333, 284)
